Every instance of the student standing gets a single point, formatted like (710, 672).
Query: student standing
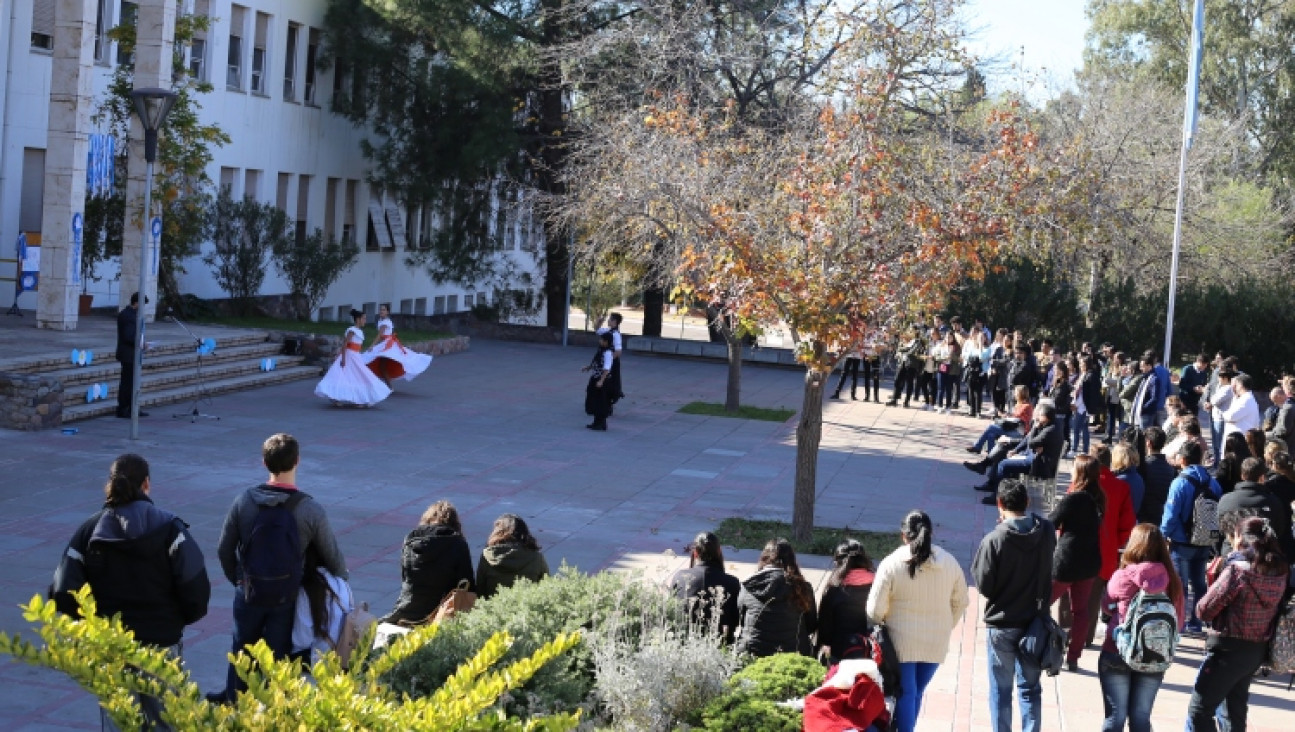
(613, 329)
(127, 321)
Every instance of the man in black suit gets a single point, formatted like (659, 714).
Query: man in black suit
(126, 321)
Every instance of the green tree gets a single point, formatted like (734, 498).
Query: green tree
(180, 185)
(311, 265)
(243, 233)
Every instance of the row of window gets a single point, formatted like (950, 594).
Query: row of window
(247, 183)
(247, 66)
(441, 304)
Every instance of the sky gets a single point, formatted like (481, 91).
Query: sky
(1051, 32)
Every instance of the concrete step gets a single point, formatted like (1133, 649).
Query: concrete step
(109, 370)
(186, 392)
(157, 380)
(103, 353)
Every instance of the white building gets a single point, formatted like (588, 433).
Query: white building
(272, 99)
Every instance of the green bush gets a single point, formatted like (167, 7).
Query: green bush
(754, 692)
(533, 613)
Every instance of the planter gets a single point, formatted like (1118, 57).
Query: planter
(86, 302)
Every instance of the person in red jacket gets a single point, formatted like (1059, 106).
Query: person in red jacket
(1117, 524)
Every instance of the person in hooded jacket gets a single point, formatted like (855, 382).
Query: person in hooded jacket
(1145, 566)
(776, 605)
(920, 594)
(433, 560)
(1157, 476)
(1189, 559)
(511, 553)
(1013, 573)
(1280, 481)
(140, 562)
(1078, 557)
(705, 583)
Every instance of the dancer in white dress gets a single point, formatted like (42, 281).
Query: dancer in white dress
(348, 380)
(388, 358)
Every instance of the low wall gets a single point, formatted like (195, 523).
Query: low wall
(30, 401)
(463, 324)
(324, 348)
(782, 357)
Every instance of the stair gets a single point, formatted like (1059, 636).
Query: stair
(171, 373)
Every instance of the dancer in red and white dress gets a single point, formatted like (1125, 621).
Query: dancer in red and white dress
(348, 381)
(388, 358)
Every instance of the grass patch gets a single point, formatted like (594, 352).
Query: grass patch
(747, 534)
(715, 409)
(322, 328)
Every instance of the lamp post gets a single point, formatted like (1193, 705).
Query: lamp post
(152, 105)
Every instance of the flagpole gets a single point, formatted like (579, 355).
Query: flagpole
(1189, 130)
(1173, 266)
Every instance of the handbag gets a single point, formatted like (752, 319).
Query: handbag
(459, 600)
(1045, 642)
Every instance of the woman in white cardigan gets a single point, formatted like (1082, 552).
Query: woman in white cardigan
(919, 594)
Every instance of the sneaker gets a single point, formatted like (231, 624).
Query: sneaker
(1072, 666)
(893, 403)
(926, 407)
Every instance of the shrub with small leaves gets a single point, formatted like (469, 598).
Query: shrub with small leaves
(102, 656)
(754, 692)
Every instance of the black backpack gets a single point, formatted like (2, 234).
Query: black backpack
(272, 565)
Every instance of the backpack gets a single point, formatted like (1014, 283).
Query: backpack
(357, 624)
(1203, 527)
(1148, 636)
(271, 556)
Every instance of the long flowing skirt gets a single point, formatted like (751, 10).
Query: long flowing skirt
(391, 360)
(597, 402)
(353, 383)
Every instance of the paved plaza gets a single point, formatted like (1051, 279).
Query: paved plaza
(501, 429)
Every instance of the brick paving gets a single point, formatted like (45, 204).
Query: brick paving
(501, 429)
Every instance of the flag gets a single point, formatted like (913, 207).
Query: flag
(1194, 73)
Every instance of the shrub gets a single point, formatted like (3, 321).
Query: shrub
(102, 656)
(530, 612)
(751, 702)
(311, 264)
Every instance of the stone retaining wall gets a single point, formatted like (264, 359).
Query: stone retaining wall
(30, 401)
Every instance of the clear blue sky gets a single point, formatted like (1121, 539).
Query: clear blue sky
(1051, 32)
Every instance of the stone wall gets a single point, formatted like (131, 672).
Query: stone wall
(30, 401)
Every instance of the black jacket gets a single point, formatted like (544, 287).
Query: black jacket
(141, 562)
(1090, 386)
(1061, 396)
(1013, 570)
(1283, 489)
(1157, 475)
(433, 560)
(1187, 383)
(699, 587)
(771, 621)
(1047, 442)
(1249, 499)
(1078, 555)
(126, 321)
(843, 613)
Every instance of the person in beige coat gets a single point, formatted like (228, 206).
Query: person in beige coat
(919, 594)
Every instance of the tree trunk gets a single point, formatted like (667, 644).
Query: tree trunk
(809, 431)
(553, 152)
(653, 311)
(733, 394)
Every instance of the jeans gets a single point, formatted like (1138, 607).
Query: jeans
(989, 437)
(1114, 420)
(1216, 437)
(948, 388)
(1009, 468)
(1079, 433)
(913, 678)
(1005, 665)
(1224, 676)
(1079, 593)
(253, 623)
(1126, 694)
(1189, 562)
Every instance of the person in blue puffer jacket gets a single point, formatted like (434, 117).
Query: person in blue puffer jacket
(1189, 559)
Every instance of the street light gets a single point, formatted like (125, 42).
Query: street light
(152, 105)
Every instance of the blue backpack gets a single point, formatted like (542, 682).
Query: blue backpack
(272, 564)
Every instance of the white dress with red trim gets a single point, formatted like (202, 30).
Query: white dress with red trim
(352, 382)
(391, 360)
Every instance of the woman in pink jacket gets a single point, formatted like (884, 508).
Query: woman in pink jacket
(1146, 566)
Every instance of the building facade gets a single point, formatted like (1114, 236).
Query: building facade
(271, 96)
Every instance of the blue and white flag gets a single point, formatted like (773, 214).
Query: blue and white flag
(1194, 73)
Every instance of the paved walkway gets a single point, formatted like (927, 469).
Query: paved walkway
(501, 429)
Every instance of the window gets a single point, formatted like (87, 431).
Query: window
(438, 306)
(258, 53)
(42, 25)
(371, 310)
(303, 206)
(252, 184)
(227, 176)
(330, 208)
(406, 307)
(234, 71)
(102, 24)
(452, 304)
(129, 15)
(198, 44)
(379, 233)
(312, 54)
(348, 211)
(290, 64)
(467, 302)
(420, 306)
(326, 314)
(281, 192)
(30, 204)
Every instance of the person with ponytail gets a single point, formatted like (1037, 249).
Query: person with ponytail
(843, 613)
(140, 562)
(1240, 607)
(1077, 560)
(919, 594)
(349, 382)
(704, 585)
(775, 605)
